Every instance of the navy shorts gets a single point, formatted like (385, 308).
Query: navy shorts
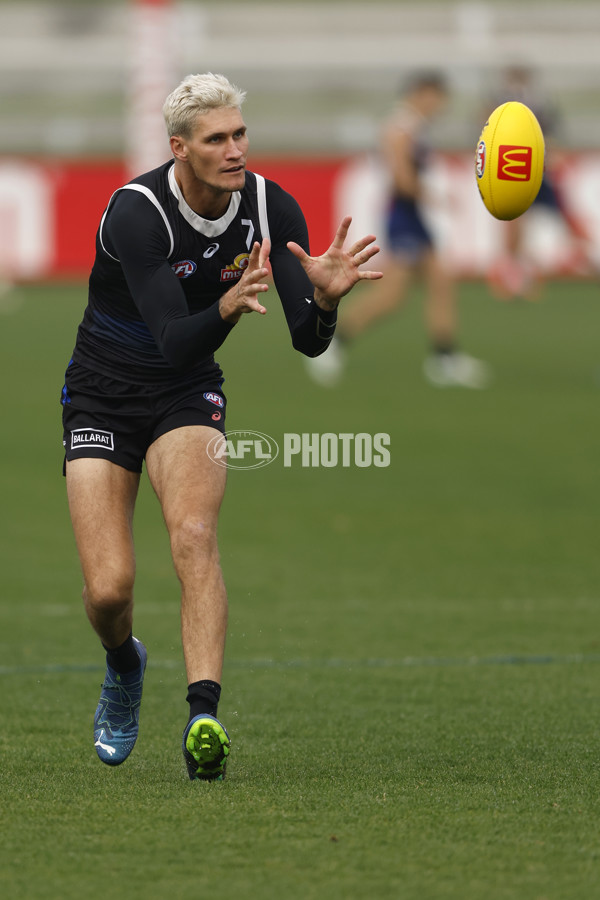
(547, 195)
(108, 419)
(407, 234)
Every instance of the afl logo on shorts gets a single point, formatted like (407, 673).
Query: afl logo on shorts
(184, 268)
(214, 398)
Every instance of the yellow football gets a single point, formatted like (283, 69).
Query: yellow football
(509, 160)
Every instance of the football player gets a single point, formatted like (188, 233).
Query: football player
(404, 152)
(181, 257)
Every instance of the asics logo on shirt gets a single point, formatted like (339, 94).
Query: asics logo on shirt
(210, 251)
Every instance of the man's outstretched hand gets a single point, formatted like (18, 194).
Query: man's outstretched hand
(337, 271)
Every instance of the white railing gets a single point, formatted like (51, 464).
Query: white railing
(319, 75)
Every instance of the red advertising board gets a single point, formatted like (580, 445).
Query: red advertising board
(50, 210)
(77, 193)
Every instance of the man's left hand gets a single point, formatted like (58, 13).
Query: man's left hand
(337, 271)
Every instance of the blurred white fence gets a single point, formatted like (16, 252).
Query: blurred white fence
(319, 76)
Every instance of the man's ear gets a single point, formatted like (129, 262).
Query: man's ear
(178, 147)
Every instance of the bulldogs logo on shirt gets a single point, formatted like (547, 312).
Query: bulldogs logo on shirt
(236, 269)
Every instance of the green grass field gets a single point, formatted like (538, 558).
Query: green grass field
(414, 651)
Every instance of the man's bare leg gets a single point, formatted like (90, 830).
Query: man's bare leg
(382, 299)
(447, 365)
(101, 501)
(190, 488)
(440, 302)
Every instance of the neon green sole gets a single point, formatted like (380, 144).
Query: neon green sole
(208, 744)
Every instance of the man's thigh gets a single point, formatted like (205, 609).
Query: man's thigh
(101, 499)
(186, 478)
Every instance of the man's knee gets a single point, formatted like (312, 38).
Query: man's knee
(193, 539)
(109, 593)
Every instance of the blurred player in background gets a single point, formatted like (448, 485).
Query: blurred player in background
(514, 274)
(181, 256)
(411, 251)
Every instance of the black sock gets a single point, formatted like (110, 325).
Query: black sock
(203, 697)
(444, 348)
(123, 659)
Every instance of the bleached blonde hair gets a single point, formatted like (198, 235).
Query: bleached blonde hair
(197, 94)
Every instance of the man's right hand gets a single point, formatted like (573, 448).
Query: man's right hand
(243, 297)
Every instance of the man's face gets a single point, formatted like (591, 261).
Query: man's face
(217, 149)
